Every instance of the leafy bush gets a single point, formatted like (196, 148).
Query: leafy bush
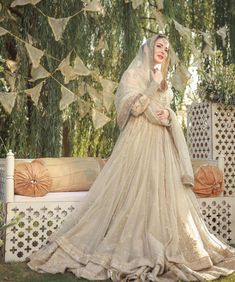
(217, 83)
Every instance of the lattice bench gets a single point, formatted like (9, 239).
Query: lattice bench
(42, 215)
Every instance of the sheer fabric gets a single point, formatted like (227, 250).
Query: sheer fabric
(140, 221)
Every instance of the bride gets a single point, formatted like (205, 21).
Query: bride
(140, 220)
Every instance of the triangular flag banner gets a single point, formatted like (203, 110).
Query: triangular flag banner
(108, 88)
(65, 62)
(93, 6)
(180, 78)
(196, 56)
(67, 97)
(223, 33)
(161, 19)
(24, 2)
(58, 26)
(11, 80)
(183, 31)
(95, 96)
(39, 73)
(83, 107)
(99, 119)
(80, 68)
(35, 54)
(81, 89)
(3, 31)
(12, 65)
(207, 38)
(7, 99)
(136, 3)
(34, 92)
(69, 72)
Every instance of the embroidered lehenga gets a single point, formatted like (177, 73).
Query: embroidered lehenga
(140, 221)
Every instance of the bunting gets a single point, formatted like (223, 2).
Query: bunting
(99, 119)
(67, 98)
(39, 73)
(108, 88)
(24, 2)
(35, 54)
(34, 92)
(7, 100)
(93, 6)
(58, 26)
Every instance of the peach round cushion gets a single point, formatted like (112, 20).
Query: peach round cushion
(208, 181)
(31, 179)
(71, 174)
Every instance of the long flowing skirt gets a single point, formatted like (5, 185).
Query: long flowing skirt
(138, 221)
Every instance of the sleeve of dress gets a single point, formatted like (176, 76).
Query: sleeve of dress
(140, 105)
(143, 100)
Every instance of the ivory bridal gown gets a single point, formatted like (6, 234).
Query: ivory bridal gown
(140, 220)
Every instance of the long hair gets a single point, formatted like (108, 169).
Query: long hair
(165, 64)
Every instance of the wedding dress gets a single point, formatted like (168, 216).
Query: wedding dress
(140, 220)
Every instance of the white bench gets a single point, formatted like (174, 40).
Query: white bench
(40, 216)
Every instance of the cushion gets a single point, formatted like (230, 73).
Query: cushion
(63, 175)
(31, 179)
(208, 181)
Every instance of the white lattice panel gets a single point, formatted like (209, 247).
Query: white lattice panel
(38, 221)
(219, 216)
(211, 132)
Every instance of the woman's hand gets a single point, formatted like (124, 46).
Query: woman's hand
(157, 76)
(163, 114)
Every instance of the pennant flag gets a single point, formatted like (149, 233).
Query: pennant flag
(34, 92)
(96, 97)
(93, 6)
(67, 97)
(35, 54)
(108, 88)
(207, 38)
(81, 89)
(180, 78)
(11, 80)
(99, 119)
(223, 33)
(3, 31)
(80, 68)
(84, 107)
(58, 26)
(183, 31)
(12, 65)
(136, 3)
(161, 19)
(7, 99)
(24, 2)
(39, 73)
(69, 72)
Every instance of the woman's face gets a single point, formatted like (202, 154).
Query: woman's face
(160, 51)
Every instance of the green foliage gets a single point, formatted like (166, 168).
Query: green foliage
(217, 82)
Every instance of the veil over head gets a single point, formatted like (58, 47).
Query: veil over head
(136, 80)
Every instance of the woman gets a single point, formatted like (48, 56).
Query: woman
(140, 220)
